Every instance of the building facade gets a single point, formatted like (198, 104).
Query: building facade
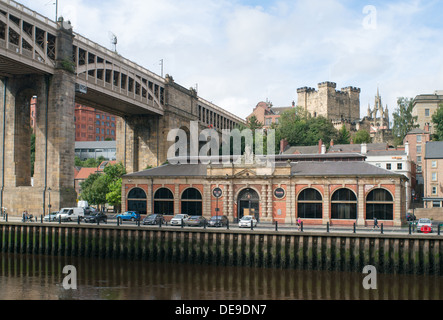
(96, 149)
(318, 191)
(425, 106)
(268, 115)
(433, 175)
(331, 103)
(94, 125)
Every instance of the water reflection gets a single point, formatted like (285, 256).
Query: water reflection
(41, 278)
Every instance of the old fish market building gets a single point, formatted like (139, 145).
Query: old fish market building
(341, 189)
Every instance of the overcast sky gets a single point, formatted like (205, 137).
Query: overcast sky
(241, 52)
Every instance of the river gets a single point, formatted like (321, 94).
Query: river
(34, 277)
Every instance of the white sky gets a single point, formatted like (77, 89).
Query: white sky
(241, 52)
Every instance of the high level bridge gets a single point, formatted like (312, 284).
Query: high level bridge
(43, 58)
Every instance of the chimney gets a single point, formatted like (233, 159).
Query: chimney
(320, 144)
(364, 148)
(293, 104)
(283, 145)
(332, 142)
(427, 128)
(407, 148)
(323, 149)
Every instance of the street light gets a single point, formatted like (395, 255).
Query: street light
(49, 205)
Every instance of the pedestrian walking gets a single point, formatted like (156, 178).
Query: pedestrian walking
(299, 223)
(375, 224)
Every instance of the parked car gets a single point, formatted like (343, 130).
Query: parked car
(89, 210)
(100, 216)
(423, 225)
(218, 221)
(196, 221)
(51, 217)
(129, 216)
(70, 214)
(177, 220)
(154, 219)
(246, 222)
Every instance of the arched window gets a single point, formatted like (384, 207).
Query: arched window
(380, 205)
(310, 204)
(137, 201)
(191, 202)
(164, 202)
(344, 205)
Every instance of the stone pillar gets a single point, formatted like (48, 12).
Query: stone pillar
(207, 201)
(270, 201)
(177, 199)
(263, 202)
(361, 207)
(326, 205)
(230, 201)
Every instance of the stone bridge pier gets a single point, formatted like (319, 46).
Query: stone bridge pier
(53, 180)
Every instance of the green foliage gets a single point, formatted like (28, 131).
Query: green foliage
(104, 188)
(437, 119)
(89, 163)
(403, 119)
(254, 124)
(362, 136)
(299, 129)
(343, 136)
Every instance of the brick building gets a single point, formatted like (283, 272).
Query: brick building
(433, 175)
(267, 114)
(94, 125)
(317, 190)
(425, 105)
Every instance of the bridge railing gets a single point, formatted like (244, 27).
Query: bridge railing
(30, 12)
(118, 59)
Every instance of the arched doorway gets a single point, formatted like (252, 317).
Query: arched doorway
(191, 202)
(137, 201)
(248, 204)
(164, 202)
(380, 205)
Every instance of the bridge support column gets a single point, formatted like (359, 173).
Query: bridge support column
(138, 142)
(55, 137)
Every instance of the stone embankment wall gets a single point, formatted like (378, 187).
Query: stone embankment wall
(400, 254)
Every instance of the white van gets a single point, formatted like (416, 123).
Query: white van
(71, 214)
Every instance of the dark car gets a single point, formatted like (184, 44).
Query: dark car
(218, 221)
(93, 217)
(154, 219)
(196, 221)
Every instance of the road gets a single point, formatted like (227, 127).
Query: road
(260, 227)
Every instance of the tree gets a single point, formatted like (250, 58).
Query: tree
(343, 136)
(98, 188)
(403, 119)
(299, 129)
(437, 119)
(362, 136)
(253, 123)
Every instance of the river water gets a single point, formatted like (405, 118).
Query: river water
(33, 277)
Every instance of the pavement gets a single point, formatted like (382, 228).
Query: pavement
(270, 227)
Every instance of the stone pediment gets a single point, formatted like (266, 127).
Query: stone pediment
(246, 173)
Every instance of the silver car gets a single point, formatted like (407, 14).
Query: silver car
(424, 224)
(177, 220)
(246, 222)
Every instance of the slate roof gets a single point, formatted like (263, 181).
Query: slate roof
(434, 150)
(332, 168)
(314, 168)
(182, 170)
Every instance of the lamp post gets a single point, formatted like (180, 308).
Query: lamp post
(49, 204)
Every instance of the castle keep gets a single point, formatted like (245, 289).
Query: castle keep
(330, 103)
